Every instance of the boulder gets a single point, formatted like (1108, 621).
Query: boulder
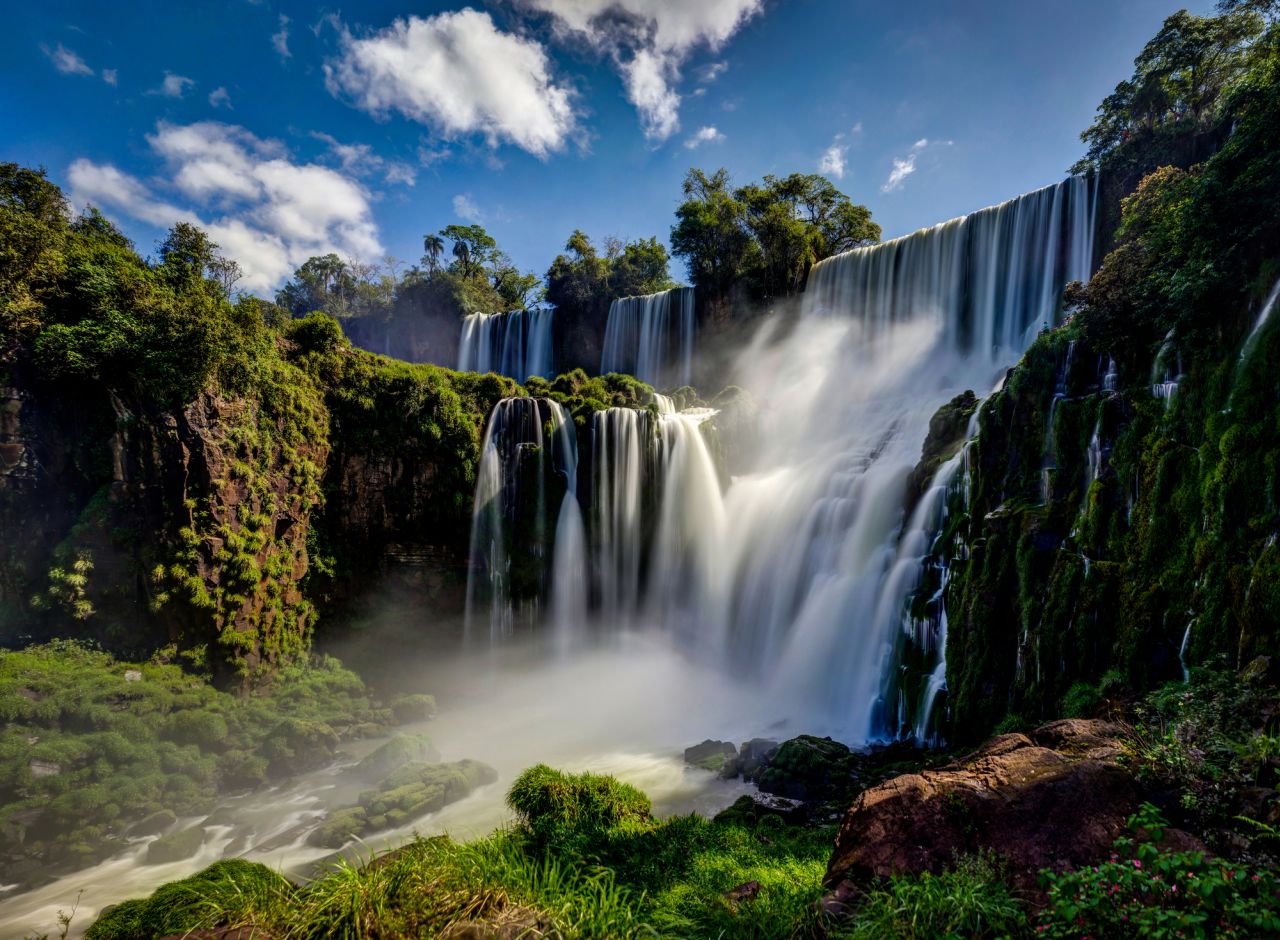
(1056, 799)
(154, 824)
(809, 768)
(175, 847)
(753, 756)
(753, 808)
(413, 708)
(710, 755)
(400, 750)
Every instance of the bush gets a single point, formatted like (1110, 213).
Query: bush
(1142, 891)
(574, 811)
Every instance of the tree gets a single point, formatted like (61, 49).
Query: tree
(473, 247)
(433, 251)
(1179, 79)
(710, 233)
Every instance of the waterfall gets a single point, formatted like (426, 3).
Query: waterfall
(516, 344)
(651, 337)
(990, 280)
(798, 577)
(509, 529)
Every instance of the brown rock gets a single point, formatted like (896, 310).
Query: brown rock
(1056, 799)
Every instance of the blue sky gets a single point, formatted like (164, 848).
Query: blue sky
(289, 130)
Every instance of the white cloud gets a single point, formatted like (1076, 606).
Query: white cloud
(464, 207)
(173, 86)
(460, 74)
(360, 160)
(705, 135)
(110, 76)
(832, 162)
(267, 211)
(219, 98)
(650, 40)
(105, 186)
(280, 39)
(66, 61)
(905, 166)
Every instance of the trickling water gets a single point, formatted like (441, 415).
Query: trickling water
(516, 344)
(1111, 376)
(1263, 316)
(796, 577)
(1049, 463)
(1166, 371)
(651, 337)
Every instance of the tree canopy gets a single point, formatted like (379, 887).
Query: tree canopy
(769, 233)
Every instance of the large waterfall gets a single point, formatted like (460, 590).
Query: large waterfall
(517, 344)
(798, 577)
(651, 337)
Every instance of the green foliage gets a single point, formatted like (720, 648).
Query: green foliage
(91, 744)
(576, 812)
(1143, 891)
(971, 900)
(1179, 80)
(770, 232)
(227, 894)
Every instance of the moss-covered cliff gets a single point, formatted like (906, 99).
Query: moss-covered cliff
(1124, 510)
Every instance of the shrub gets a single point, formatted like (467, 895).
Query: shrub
(575, 811)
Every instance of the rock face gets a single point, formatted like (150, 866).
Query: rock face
(1055, 799)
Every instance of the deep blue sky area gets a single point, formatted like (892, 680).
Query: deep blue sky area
(289, 129)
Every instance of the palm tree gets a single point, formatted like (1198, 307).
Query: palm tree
(433, 246)
(462, 252)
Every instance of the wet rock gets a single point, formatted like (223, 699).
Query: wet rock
(175, 847)
(808, 768)
(43, 768)
(1056, 799)
(400, 750)
(744, 892)
(710, 755)
(753, 757)
(154, 824)
(751, 809)
(412, 708)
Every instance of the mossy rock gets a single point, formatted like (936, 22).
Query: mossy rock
(339, 828)
(808, 768)
(400, 750)
(710, 755)
(175, 847)
(413, 708)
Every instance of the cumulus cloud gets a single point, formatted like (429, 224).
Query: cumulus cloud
(110, 76)
(280, 38)
(66, 61)
(464, 207)
(704, 135)
(360, 160)
(459, 74)
(905, 166)
(220, 98)
(266, 210)
(650, 40)
(173, 86)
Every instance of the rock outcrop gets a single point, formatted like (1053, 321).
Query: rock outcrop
(1057, 798)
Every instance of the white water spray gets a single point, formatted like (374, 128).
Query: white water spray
(516, 344)
(651, 337)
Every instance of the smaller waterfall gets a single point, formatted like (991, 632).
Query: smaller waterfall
(516, 344)
(1166, 371)
(1267, 307)
(509, 526)
(1110, 377)
(651, 337)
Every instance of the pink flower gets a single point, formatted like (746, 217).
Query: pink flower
(1137, 864)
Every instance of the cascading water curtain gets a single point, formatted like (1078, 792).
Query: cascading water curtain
(802, 576)
(518, 478)
(516, 344)
(651, 337)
